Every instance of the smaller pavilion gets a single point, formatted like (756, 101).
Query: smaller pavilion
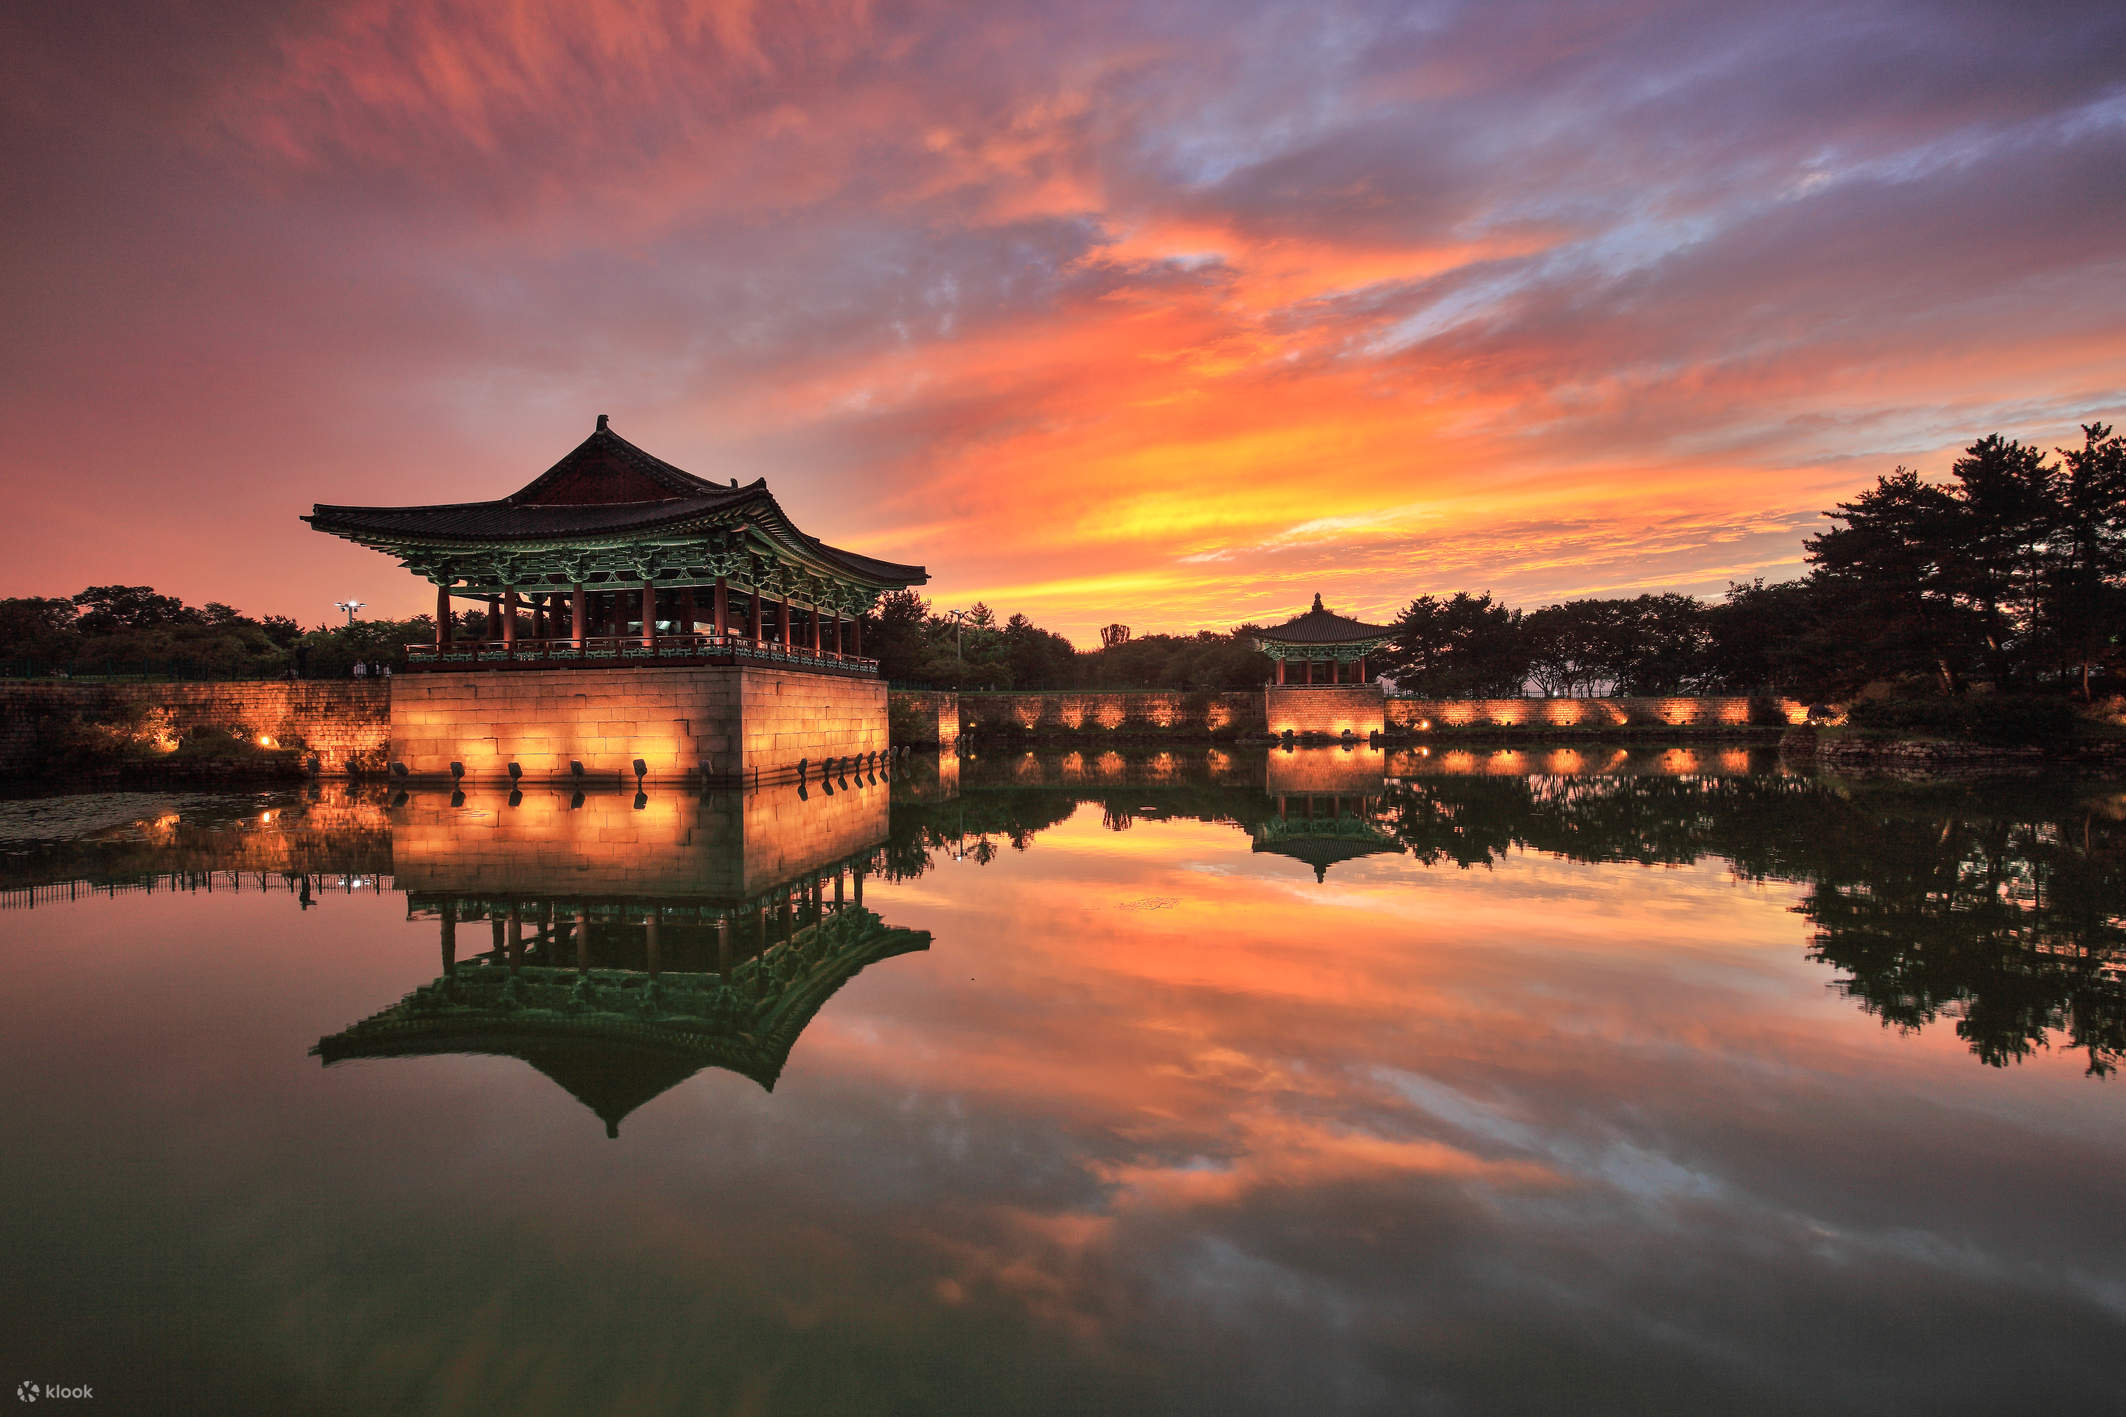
(1336, 643)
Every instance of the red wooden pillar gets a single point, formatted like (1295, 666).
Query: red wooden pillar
(1306, 670)
(443, 626)
(1361, 671)
(509, 617)
(687, 611)
(1280, 669)
(782, 620)
(649, 615)
(579, 614)
(721, 607)
(813, 616)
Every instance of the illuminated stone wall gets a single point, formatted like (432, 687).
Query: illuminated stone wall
(344, 723)
(923, 717)
(1424, 715)
(718, 724)
(1103, 712)
(789, 716)
(1323, 710)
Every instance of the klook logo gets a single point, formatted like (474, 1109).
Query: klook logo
(30, 1392)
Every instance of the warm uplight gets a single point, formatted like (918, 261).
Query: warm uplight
(265, 740)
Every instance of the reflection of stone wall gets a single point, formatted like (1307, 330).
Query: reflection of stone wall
(722, 846)
(1445, 760)
(1590, 714)
(1327, 772)
(1095, 767)
(1100, 712)
(719, 724)
(1323, 710)
(927, 777)
(343, 722)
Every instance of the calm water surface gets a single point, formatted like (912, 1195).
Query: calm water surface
(1560, 1081)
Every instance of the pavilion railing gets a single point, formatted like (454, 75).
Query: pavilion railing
(559, 651)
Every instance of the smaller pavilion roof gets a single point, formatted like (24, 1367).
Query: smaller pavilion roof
(1325, 627)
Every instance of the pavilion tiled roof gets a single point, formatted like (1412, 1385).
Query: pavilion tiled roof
(1325, 627)
(604, 487)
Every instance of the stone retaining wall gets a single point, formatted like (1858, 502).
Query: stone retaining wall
(711, 723)
(1436, 715)
(344, 723)
(1098, 712)
(924, 718)
(1323, 710)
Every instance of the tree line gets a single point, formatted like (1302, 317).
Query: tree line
(2012, 572)
(136, 630)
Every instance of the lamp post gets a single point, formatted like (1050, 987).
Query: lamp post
(350, 606)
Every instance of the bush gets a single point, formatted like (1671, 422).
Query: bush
(2005, 719)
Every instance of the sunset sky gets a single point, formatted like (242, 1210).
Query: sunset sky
(1170, 314)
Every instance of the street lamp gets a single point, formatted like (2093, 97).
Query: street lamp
(350, 606)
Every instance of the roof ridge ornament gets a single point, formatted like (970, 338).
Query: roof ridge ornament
(1317, 594)
(605, 418)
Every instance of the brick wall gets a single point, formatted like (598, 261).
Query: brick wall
(1323, 710)
(1101, 712)
(719, 724)
(1405, 715)
(344, 723)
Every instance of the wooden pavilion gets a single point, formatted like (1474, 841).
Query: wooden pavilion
(1337, 643)
(613, 556)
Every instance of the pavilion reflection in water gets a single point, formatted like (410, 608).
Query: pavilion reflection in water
(1326, 807)
(620, 944)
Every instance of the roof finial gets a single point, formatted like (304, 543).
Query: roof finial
(601, 425)
(1317, 594)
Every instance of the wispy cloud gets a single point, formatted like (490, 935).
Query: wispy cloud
(1171, 312)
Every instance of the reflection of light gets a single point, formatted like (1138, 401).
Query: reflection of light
(265, 740)
(1424, 724)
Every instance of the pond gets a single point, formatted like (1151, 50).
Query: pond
(1585, 1079)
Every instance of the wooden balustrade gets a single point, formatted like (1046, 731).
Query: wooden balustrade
(606, 651)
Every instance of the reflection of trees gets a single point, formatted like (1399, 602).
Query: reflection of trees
(2002, 911)
(2002, 908)
(2010, 926)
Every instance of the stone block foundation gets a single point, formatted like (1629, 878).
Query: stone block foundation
(1324, 710)
(720, 724)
